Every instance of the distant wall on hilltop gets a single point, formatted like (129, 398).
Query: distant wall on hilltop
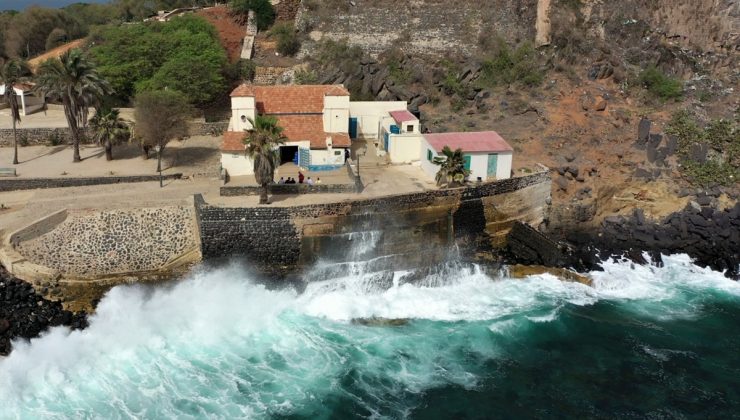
(428, 26)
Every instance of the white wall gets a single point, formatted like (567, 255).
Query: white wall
(370, 113)
(414, 125)
(237, 164)
(336, 120)
(404, 148)
(503, 171)
(428, 167)
(241, 106)
(327, 156)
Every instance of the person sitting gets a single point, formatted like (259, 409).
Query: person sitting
(318, 180)
(300, 177)
(309, 181)
(281, 180)
(290, 181)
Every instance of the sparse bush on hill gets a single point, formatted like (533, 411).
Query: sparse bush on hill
(305, 77)
(505, 66)
(659, 84)
(338, 54)
(183, 54)
(264, 12)
(288, 43)
(721, 137)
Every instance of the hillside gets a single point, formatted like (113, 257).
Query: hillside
(563, 80)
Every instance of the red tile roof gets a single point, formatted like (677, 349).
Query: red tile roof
(295, 128)
(402, 116)
(482, 141)
(289, 99)
(233, 141)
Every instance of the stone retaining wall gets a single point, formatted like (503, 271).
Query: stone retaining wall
(37, 136)
(202, 128)
(16, 184)
(103, 243)
(410, 225)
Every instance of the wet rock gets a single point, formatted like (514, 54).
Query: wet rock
(380, 322)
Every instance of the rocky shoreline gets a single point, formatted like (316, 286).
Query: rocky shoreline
(26, 314)
(709, 235)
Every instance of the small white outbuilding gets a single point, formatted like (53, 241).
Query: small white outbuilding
(486, 154)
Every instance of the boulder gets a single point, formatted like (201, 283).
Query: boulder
(562, 183)
(600, 105)
(643, 132)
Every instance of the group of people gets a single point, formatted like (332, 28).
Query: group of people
(301, 179)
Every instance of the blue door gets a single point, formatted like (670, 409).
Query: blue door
(395, 129)
(386, 137)
(304, 157)
(466, 161)
(492, 164)
(353, 128)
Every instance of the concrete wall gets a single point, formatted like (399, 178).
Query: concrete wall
(412, 228)
(404, 148)
(15, 184)
(236, 164)
(370, 114)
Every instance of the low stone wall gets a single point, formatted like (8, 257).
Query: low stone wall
(37, 136)
(41, 183)
(409, 226)
(202, 128)
(38, 228)
(289, 189)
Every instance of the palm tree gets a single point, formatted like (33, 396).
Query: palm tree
(109, 129)
(74, 81)
(12, 72)
(263, 141)
(452, 170)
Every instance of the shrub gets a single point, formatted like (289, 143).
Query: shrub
(507, 66)
(246, 69)
(287, 39)
(723, 136)
(23, 139)
(263, 10)
(305, 77)
(659, 84)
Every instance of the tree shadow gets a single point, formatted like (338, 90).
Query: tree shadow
(54, 150)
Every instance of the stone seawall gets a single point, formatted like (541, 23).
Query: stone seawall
(409, 227)
(15, 184)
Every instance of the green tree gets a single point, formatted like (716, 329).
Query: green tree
(263, 10)
(184, 54)
(263, 141)
(56, 37)
(452, 172)
(160, 117)
(12, 72)
(28, 32)
(72, 80)
(108, 129)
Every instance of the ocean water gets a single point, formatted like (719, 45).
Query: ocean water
(644, 342)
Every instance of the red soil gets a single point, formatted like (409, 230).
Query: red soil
(229, 30)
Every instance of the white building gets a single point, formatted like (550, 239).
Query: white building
(28, 100)
(487, 155)
(315, 121)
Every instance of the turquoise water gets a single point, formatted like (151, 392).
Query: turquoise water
(644, 342)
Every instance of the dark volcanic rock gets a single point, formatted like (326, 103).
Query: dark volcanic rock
(25, 314)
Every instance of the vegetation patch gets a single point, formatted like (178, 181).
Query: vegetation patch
(263, 10)
(660, 85)
(506, 66)
(288, 43)
(183, 54)
(720, 137)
